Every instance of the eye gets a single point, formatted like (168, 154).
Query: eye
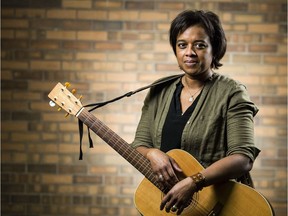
(182, 45)
(200, 45)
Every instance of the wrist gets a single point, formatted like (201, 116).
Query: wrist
(199, 181)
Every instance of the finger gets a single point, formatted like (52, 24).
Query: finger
(180, 210)
(162, 205)
(166, 176)
(171, 206)
(172, 178)
(174, 208)
(167, 181)
(164, 201)
(160, 177)
(176, 170)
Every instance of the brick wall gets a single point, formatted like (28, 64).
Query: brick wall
(106, 48)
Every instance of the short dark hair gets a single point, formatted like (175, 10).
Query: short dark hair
(212, 26)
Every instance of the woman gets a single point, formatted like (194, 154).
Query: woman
(202, 112)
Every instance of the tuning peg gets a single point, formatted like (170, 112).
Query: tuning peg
(67, 84)
(51, 103)
(59, 109)
(73, 91)
(66, 115)
(80, 97)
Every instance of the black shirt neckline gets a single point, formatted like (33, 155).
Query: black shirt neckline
(176, 121)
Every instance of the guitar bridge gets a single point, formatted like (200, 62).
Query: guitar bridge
(216, 209)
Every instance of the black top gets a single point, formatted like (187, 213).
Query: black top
(175, 121)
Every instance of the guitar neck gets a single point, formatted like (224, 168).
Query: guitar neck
(119, 145)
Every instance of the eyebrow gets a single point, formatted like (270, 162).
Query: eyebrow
(182, 40)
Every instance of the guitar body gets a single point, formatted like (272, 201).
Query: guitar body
(230, 198)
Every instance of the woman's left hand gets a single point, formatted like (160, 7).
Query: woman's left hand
(179, 197)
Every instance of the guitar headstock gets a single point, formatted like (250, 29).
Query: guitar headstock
(65, 99)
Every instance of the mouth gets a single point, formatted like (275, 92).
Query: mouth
(190, 62)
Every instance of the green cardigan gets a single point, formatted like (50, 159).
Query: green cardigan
(221, 124)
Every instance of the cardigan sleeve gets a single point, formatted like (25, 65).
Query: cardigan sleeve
(240, 123)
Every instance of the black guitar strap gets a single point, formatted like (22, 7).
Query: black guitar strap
(100, 104)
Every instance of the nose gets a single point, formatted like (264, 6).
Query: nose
(190, 51)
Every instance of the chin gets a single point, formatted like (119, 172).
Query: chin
(192, 72)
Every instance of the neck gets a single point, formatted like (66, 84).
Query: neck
(193, 79)
(192, 83)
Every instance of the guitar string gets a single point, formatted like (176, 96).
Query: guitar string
(116, 140)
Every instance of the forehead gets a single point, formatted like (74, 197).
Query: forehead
(195, 32)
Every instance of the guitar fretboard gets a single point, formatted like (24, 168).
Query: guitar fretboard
(136, 159)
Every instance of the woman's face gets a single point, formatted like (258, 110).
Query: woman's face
(194, 52)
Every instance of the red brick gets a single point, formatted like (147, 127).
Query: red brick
(72, 169)
(7, 34)
(139, 26)
(235, 6)
(155, 16)
(275, 59)
(92, 14)
(147, 5)
(171, 6)
(108, 45)
(236, 48)
(61, 14)
(54, 55)
(167, 67)
(92, 35)
(88, 180)
(108, 4)
(14, 44)
(45, 65)
(263, 48)
(33, 13)
(123, 15)
(253, 59)
(25, 55)
(56, 179)
(14, 23)
(45, 44)
(76, 4)
(61, 35)
(263, 28)
(7, 12)
(73, 24)
(44, 24)
(78, 45)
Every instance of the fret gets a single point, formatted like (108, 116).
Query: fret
(105, 132)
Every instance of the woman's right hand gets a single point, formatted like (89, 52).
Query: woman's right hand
(164, 167)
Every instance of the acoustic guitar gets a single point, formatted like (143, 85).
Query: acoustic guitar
(225, 199)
